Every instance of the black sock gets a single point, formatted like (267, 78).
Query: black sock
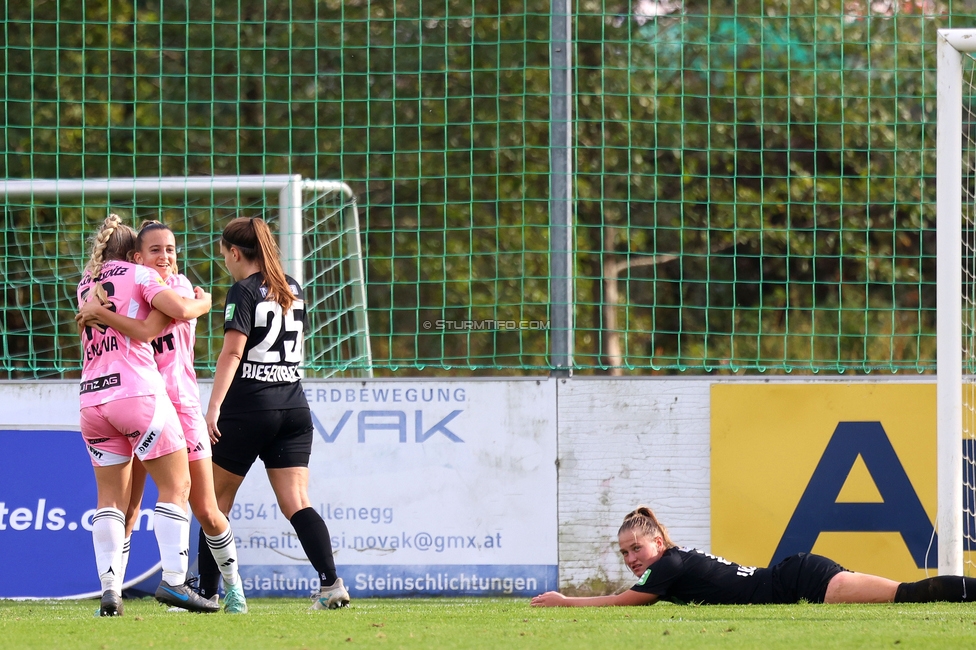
(954, 589)
(314, 536)
(207, 565)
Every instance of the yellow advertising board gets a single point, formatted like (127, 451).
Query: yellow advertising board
(842, 470)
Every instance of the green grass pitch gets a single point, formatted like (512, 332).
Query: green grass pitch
(487, 623)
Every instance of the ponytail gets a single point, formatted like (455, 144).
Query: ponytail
(113, 241)
(148, 226)
(643, 522)
(253, 238)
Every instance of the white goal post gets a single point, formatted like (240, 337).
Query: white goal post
(955, 330)
(322, 251)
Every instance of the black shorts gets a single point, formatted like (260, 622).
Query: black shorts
(803, 576)
(280, 438)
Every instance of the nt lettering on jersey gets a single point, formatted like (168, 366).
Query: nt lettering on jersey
(260, 372)
(163, 344)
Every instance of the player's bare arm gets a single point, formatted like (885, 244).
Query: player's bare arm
(627, 598)
(227, 363)
(93, 313)
(173, 304)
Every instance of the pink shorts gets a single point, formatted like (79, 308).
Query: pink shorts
(146, 426)
(195, 431)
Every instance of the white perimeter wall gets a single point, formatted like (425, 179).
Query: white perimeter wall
(623, 443)
(620, 443)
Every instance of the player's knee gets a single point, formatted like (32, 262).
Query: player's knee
(291, 500)
(837, 587)
(175, 492)
(287, 509)
(212, 520)
(183, 486)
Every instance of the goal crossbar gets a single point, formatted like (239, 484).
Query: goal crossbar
(290, 189)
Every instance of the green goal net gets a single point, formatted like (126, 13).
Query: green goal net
(752, 182)
(45, 240)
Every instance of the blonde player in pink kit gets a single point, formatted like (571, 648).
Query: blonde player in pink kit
(172, 342)
(125, 411)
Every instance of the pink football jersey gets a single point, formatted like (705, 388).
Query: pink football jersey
(113, 365)
(173, 349)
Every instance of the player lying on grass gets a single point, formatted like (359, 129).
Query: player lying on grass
(682, 575)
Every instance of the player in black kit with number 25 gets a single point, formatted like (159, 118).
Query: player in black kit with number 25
(258, 407)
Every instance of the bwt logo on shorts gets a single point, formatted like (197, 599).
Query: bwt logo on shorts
(147, 443)
(101, 383)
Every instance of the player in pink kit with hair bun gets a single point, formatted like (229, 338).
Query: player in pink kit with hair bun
(172, 345)
(125, 411)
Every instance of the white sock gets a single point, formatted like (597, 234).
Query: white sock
(108, 533)
(172, 527)
(224, 549)
(125, 558)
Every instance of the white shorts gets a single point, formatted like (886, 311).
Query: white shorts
(146, 426)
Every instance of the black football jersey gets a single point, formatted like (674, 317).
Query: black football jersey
(684, 575)
(269, 374)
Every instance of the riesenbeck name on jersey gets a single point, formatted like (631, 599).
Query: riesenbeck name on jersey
(260, 372)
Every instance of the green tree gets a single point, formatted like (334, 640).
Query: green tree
(763, 171)
(754, 179)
